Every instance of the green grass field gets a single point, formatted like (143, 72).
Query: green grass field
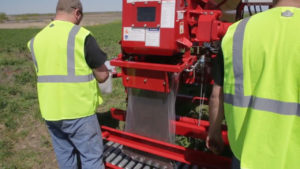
(24, 141)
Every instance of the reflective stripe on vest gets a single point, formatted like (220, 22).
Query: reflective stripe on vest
(239, 99)
(71, 77)
(33, 54)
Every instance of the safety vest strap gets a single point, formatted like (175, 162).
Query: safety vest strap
(65, 79)
(239, 99)
(33, 54)
(275, 106)
(70, 77)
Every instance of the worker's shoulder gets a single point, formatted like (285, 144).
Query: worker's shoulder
(270, 13)
(275, 13)
(84, 31)
(262, 16)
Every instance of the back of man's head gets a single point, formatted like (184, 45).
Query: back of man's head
(68, 5)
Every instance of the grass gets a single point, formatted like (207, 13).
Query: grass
(23, 135)
(108, 37)
(18, 101)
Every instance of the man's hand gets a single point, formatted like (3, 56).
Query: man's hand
(214, 142)
(101, 73)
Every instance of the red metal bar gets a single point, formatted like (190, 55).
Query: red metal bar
(195, 131)
(147, 80)
(185, 126)
(203, 123)
(118, 114)
(190, 130)
(166, 150)
(110, 166)
(117, 75)
(193, 98)
(148, 66)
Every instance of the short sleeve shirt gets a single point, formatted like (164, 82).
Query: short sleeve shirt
(94, 56)
(218, 69)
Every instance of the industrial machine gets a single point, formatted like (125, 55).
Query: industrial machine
(165, 37)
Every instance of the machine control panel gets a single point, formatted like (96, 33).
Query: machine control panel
(152, 27)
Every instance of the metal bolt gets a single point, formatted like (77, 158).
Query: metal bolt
(158, 25)
(145, 80)
(127, 78)
(211, 13)
(132, 25)
(164, 83)
(132, 3)
(145, 25)
(205, 13)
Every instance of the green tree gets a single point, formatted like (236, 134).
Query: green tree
(3, 17)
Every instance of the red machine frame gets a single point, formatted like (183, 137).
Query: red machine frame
(202, 29)
(184, 126)
(137, 72)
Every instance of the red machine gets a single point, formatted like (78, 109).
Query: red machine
(165, 36)
(160, 37)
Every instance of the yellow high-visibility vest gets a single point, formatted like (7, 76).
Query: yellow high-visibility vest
(262, 89)
(66, 85)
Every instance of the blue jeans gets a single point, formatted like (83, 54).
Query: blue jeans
(77, 139)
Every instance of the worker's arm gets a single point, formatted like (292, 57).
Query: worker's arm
(216, 110)
(214, 139)
(96, 58)
(101, 73)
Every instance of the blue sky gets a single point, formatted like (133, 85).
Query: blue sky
(48, 6)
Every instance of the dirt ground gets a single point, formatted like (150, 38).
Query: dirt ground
(39, 21)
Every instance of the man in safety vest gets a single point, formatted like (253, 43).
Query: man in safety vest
(260, 89)
(68, 64)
